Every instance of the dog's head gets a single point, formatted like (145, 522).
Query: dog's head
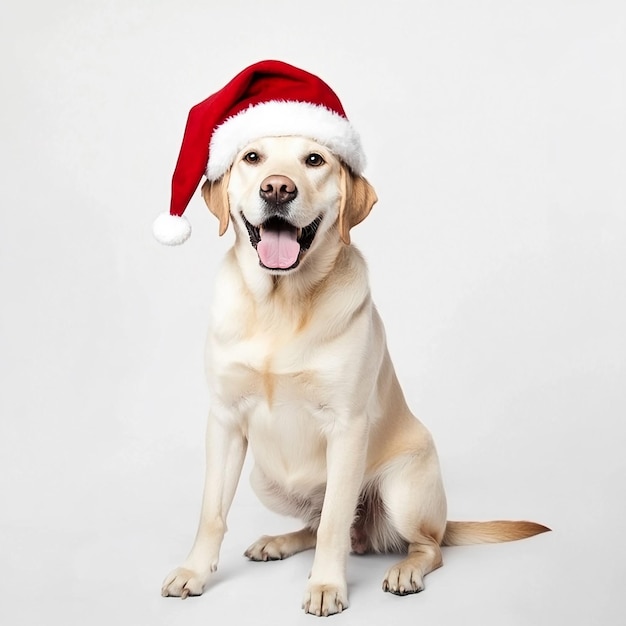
(288, 194)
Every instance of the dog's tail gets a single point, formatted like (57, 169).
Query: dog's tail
(467, 533)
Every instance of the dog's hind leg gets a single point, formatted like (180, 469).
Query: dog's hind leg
(272, 548)
(306, 507)
(415, 506)
(407, 576)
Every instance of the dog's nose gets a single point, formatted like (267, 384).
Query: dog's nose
(278, 189)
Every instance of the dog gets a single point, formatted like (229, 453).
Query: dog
(299, 371)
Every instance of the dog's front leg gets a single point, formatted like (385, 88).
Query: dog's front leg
(327, 590)
(225, 452)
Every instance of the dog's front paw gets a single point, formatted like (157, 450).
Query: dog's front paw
(324, 600)
(183, 582)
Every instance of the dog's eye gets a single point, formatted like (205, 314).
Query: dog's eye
(252, 157)
(314, 159)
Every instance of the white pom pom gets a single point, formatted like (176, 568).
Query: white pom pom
(171, 230)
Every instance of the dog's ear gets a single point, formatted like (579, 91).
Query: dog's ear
(215, 195)
(357, 199)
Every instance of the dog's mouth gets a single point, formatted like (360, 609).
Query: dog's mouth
(279, 243)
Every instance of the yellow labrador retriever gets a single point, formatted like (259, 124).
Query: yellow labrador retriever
(299, 370)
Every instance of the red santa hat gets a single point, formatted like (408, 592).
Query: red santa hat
(270, 98)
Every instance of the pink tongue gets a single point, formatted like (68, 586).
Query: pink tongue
(278, 249)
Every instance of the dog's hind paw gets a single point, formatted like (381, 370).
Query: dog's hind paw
(183, 582)
(403, 579)
(268, 548)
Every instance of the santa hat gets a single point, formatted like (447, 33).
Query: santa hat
(270, 98)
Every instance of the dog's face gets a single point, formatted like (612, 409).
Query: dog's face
(286, 194)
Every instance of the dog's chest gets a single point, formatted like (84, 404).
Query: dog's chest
(279, 395)
(269, 370)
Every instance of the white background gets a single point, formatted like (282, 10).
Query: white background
(495, 132)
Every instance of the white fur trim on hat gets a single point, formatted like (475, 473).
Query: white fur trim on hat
(277, 118)
(171, 230)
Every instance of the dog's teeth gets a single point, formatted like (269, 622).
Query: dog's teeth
(298, 233)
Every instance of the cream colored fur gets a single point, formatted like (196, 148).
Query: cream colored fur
(299, 371)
